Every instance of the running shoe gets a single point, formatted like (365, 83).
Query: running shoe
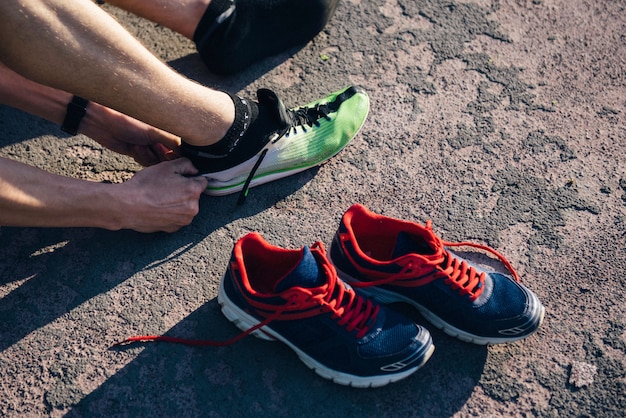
(400, 261)
(305, 137)
(295, 296)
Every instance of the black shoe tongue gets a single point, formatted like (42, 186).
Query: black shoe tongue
(407, 243)
(274, 106)
(306, 274)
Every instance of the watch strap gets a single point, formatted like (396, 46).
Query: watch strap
(76, 110)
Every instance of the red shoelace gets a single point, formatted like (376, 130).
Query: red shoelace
(457, 273)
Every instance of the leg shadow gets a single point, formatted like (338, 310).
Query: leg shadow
(192, 67)
(260, 378)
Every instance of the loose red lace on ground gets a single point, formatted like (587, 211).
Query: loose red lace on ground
(352, 311)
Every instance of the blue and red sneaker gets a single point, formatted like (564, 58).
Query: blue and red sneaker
(295, 296)
(400, 261)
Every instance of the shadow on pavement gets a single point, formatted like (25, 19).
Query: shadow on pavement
(54, 270)
(17, 126)
(260, 378)
(191, 66)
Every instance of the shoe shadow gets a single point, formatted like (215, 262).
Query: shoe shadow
(258, 378)
(192, 67)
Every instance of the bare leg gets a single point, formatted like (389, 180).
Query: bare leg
(77, 47)
(181, 16)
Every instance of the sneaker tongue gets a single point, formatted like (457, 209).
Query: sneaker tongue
(407, 243)
(306, 274)
(269, 101)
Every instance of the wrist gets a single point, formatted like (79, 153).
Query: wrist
(128, 205)
(95, 121)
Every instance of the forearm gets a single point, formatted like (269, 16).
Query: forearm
(35, 198)
(48, 103)
(110, 128)
(163, 197)
(34, 98)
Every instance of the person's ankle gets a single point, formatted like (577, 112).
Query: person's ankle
(215, 125)
(258, 123)
(246, 112)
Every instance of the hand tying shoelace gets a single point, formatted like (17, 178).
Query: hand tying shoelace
(272, 141)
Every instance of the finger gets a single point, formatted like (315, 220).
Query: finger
(202, 181)
(168, 140)
(145, 156)
(169, 156)
(163, 153)
(184, 167)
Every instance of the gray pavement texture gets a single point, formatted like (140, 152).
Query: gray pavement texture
(503, 121)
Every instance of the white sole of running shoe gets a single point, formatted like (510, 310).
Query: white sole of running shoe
(257, 181)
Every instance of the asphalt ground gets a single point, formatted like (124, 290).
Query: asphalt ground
(501, 121)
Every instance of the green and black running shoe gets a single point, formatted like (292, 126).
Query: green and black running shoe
(304, 137)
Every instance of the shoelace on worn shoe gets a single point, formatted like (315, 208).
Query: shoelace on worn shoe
(299, 117)
(309, 116)
(457, 273)
(352, 311)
